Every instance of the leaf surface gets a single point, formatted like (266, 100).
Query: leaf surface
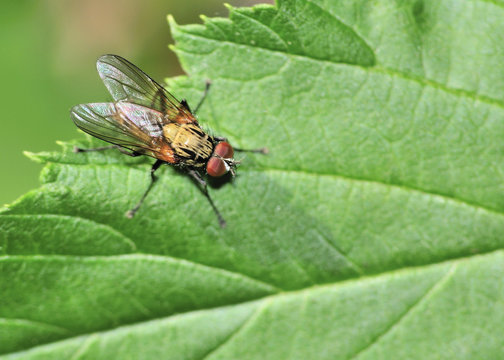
(373, 229)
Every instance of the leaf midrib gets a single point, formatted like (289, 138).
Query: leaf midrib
(453, 264)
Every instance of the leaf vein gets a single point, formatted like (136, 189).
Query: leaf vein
(403, 187)
(239, 329)
(36, 323)
(421, 300)
(270, 287)
(376, 69)
(275, 34)
(381, 183)
(338, 19)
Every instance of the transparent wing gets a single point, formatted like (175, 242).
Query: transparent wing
(131, 126)
(128, 83)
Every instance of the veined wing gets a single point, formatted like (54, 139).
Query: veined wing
(127, 83)
(131, 126)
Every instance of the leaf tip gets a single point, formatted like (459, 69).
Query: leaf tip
(171, 21)
(229, 7)
(32, 156)
(172, 47)
(203, 18)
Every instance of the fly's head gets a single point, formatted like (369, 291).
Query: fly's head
(221, 162)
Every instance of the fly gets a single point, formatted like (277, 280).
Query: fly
(145, 119)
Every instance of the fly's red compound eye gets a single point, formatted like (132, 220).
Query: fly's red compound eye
(224, 149)
(216, 166)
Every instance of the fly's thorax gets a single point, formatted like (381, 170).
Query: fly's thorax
(189, 142)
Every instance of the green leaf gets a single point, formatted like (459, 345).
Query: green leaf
(374, 229)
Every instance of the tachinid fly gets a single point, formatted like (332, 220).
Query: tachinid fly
(145, 119)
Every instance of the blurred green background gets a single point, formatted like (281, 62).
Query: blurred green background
(49, 49)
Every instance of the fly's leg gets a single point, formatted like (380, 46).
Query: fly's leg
(203, 187)
(263, 150)
(131, 213)
(207, 88)
(124, 151)
(78, 149)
